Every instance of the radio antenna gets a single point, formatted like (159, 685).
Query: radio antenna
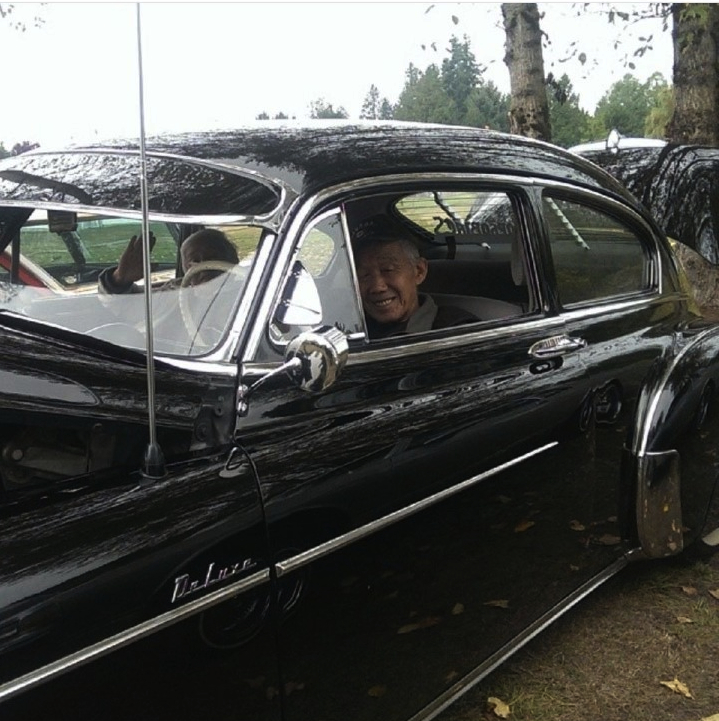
(154, 461)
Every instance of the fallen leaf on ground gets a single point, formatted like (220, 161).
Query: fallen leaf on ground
(451, 676)
(457, 609)
(501, 603)
(523, 526)
(422, 623)
(714, 593)
(577, 526)
(684, 619)
(377, 691)
(689, 590)
(609, 540)
(713, 717)
(498, 707)
(291, 686)
(678, 687)
(504, 499)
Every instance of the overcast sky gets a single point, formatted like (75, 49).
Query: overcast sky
(221, 64)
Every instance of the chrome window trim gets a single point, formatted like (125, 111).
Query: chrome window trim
(324, 549)
(259, 220)
(134, 633)
(275, 184)
(388, 182)
(621, 209)
(381, 184)
(297, 248)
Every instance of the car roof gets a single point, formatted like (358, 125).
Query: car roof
(307, 156)
(311, 154)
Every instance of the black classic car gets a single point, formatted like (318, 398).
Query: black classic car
(679, 184)
(362, 528)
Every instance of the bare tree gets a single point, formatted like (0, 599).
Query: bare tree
(529, 108)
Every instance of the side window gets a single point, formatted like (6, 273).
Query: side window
(453, 254)
(595, 255)
(324, 254)
(64, 276)
(75, 249)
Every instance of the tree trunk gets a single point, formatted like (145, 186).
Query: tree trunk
(528, 109)
(695, 34)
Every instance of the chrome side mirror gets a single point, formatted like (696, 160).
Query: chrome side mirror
(313, 361)
(322, 354)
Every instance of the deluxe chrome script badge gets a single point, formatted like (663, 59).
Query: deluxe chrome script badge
(186, 587)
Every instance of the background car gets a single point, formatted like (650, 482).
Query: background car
(678, 184)
(377, 523)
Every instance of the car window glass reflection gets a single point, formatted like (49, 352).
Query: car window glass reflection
(65, 259)
(595, 255)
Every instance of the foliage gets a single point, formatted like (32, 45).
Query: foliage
(7, 12)
(23, 147)
(570, 123)
(627, 104)
(655, 125)
(321, 109)
(277, 116)
(4, 152)
(454, 93)
(374, 107)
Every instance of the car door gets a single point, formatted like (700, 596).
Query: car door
(98, 548)
(436, 501)
(614, 290)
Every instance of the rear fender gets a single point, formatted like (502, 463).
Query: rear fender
(671, 458)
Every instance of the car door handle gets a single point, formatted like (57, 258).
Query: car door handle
(557, 345)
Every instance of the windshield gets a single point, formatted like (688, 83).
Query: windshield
(83, 272)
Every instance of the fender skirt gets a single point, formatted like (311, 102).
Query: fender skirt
(659, 508)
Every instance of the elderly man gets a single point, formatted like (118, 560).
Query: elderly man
(389, 270)
(208, 244)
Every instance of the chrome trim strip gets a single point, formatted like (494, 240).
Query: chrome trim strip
(442, 702)
(324, 549)
(260, 220)
(647, 298)
(416, 346)
(642, 440)
(124, 638)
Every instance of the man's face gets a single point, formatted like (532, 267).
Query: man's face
(193, 252)
(388, 281)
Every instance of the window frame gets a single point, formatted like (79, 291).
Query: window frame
(620, 213)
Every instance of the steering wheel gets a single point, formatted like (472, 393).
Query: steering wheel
(192, 318)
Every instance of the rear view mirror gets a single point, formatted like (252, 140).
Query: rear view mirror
(61, 221)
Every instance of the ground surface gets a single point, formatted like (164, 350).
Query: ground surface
(607, 658)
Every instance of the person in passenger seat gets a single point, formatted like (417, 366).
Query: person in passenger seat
(390, 270)
(202, 246)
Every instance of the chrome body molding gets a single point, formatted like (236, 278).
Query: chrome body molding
(135, 633)
(324, 549)
(466, 683)
(137, 215)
